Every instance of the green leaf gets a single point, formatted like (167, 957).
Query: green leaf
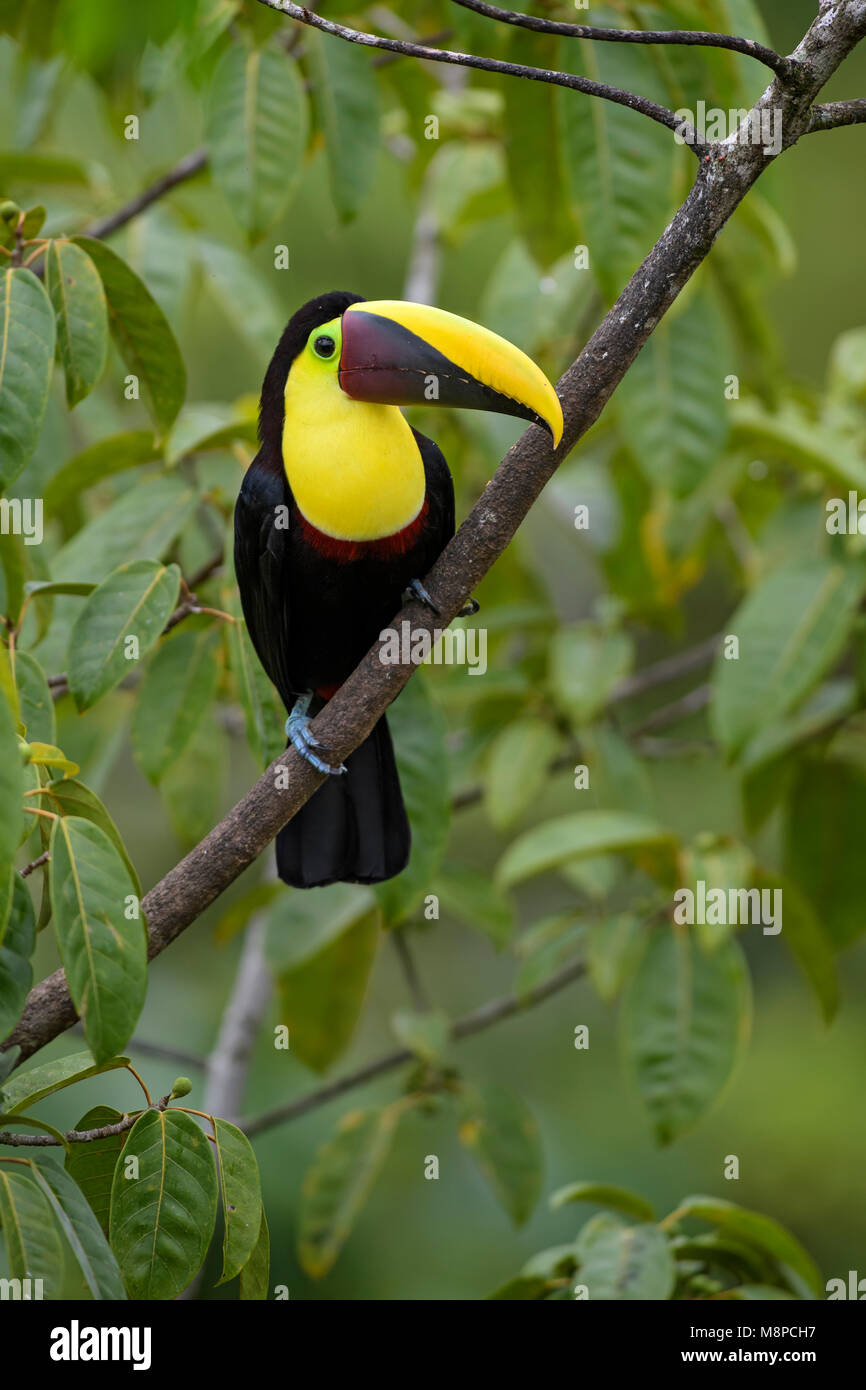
(811, 946)
(618, 165)
(178, 687)
(142, 333)
(26, 357)
(347, 104)
(255, 1276)
(241, 1192)
(475, 899)
(585, 667)
(264, 717)
(17, 943)
(33, 1246)
(34, 167)
(256, 133)
(82, 1231)
(72, 798)
(192, 787)
(162, 1218)
(518, 769)
(104, 953)
(300, 925)
(320, 999)
(792, 436)
(685, 1021)
(98, 461)
(501, 1134)
(532, 151)
(605, 1195)
(236, 918)
(78, 299)
(47, 755)
(11, 786)
(135, 601)
(545, 948)
(524, 1288)
(208, 426)
(720, 864)
(425, 1034)
(92, 1165)
(555, 842)
(76, 588)
(36, 706)
(140, 525)
(418, 730)
(612, 947)
(672, 409)
(338, 1183)
(791, 629)
(245, 297)
(756, 1229)
(823, 846)
(27, 1087)
(633, 1262)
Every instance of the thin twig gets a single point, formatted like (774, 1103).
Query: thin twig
(35, 864)
(75, 1136)
(690, 703)
(185, 169)
(831, 115)
(783, 67)
(476, 1022)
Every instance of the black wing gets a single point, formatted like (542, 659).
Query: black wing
(440, 500)
(261, 549)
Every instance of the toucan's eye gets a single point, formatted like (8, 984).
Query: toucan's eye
(324, 346)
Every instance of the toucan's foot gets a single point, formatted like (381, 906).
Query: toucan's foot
(417, 590)
(303, 742)
(470, 607)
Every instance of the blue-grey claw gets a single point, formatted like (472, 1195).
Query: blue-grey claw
(470, 607)
(417, 590)
(303, 742)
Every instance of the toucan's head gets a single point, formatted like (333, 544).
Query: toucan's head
(394, 353)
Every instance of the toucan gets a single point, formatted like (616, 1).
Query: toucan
(343, 510)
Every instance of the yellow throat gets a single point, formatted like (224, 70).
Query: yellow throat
(354, 468)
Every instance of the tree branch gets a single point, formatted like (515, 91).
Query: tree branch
(720, 186)
(476, 1022)
(785, 68)
(632, 100)
(229, 1062)
(833, 114)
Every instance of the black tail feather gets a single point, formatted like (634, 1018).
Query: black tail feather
(354, 828)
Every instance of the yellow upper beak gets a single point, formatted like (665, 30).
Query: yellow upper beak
(403, 353)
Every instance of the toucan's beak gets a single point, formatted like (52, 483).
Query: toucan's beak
(399, 353)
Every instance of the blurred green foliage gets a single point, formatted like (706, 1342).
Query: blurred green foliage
(559, 799)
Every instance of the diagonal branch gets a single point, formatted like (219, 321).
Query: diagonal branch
(720, 186)
(632, 100)
(785, 68)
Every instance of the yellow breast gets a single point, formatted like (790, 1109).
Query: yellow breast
(354, 468)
